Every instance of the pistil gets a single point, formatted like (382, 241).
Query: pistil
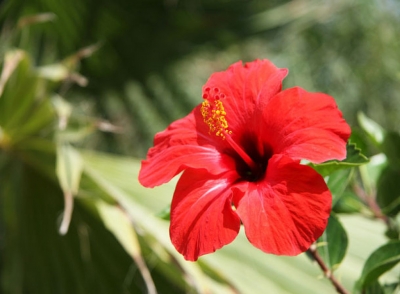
(239, 150)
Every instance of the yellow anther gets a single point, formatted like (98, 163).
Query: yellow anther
(214, 116)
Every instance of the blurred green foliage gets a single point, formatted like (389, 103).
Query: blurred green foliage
(107, 75)
(155, 55)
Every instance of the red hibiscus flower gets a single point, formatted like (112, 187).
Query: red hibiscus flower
(240, 153)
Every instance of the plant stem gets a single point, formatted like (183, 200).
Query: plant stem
(370, 201)
(327, 272)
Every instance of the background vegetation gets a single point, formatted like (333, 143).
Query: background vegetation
(81, 78)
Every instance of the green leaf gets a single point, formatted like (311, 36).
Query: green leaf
(55, 72)
(380, 261)
(374, 131)
(69, 169)
(391, 148)
(63, 110)
(24, 108)
(119, 224)
(374, 288)
(37, 260)
(19, 91)
(354, 158)
(391, 288)
(337, 183)
(358, 137)
(388, 191)
(332, 245)
(371, 172)
(11, 61)
(387, 142)
(165, 214)
(349, 203)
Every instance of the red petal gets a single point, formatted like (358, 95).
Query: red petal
(202, 219)
(246, 89)
(286, 212)
(305, 125)
(167, 164)
(180, 132)
(185, 143)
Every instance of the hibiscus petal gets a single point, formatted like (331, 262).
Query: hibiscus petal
(180, 132)
(185, 143)
(305, 125)
(246, 89)
(287, 211)
(202, 219)
(163, 166)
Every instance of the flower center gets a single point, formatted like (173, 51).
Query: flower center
(261, 157)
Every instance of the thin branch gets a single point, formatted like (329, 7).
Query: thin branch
(370, 201)
(327, 272)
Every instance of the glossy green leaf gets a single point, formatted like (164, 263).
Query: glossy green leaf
(380, 261)
(332, 245)
(374, 131)
(354, 158)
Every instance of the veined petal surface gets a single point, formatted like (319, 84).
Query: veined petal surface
(287, 211)
(304, 125)
(202, 218)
